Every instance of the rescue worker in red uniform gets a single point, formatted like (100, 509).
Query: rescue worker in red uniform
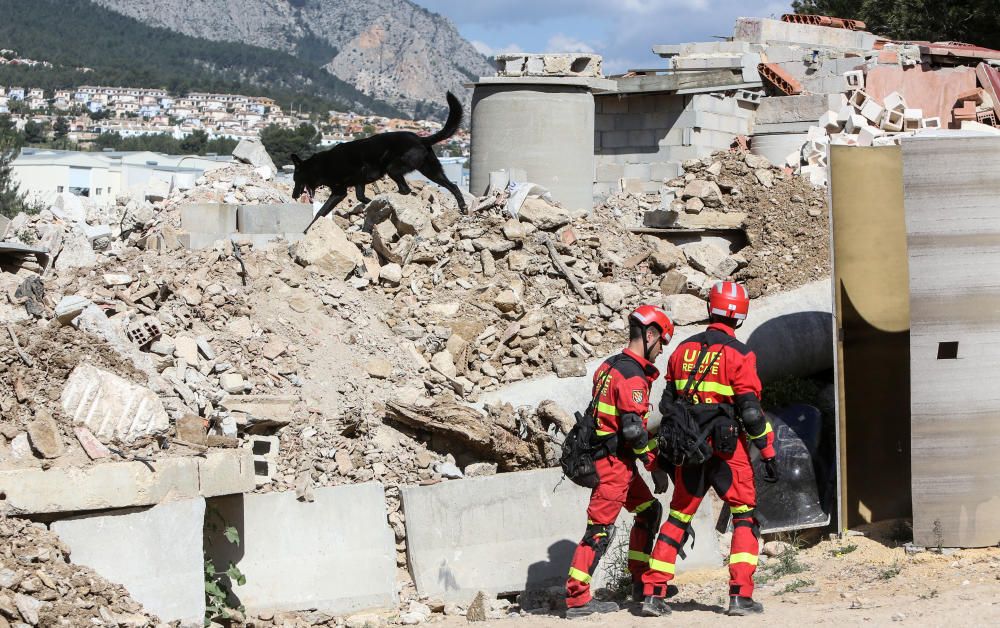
(731, 378)
(621, 387)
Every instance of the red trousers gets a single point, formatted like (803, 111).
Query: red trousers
(732, 478)
(621, 486)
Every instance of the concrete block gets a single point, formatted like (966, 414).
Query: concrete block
(872, 111)
(892, 120)
(103, 486)
(209, 218)
(264, 452)
(200, 241)
(912, 119)
(637, 171)
(830, 122)
(894, 102)
(784, 109)
(226, 472)
(111, 406)
(858, 99)
(614, 139)
(156, 553)
(641, 139)
(511, 532)
(336, 554)
(931, 123)
(611, 103)
(855, 79)
(835, 102)
(855, 123)
(604, 122)
(279, 218)
(268, 240)
(609, 172)
(664, 171)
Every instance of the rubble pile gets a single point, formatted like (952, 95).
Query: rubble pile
(778, 225)
(40, 587)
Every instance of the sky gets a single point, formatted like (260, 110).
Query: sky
(622, 31)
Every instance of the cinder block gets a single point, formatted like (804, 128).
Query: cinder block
(637, 171)
(103, 486)
(264, 452)
(892, 120)
(912, 119)
(931, 123)
(664, 171)
(335, 554)
(855, 123)
(642, 103)
(608, 172)
(156, 553)
(867, 135)
(456, 530)
(200, 241)
(829, 122)
(872, 111)
(226, 472)
(858, 99)
(614, 139)
(629, 122)
(640, 139)
(209, 218)
(612, 103)
(855, 79)
(281, 218)
(894, 102)
(604, 122)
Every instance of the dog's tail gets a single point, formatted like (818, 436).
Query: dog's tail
(451, 125)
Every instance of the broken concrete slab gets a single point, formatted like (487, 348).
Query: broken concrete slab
(112, 407)
(156, 553)
(272, 408)
(214, 218)
(291, 218)
(455, 531)
(226, 472)
(110, 485)
(336, 554)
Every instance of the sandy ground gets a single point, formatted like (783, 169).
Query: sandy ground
(872, 584)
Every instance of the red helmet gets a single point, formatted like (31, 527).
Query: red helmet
(729, 299)
(652, 315)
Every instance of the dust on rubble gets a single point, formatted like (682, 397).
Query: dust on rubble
(40, 587)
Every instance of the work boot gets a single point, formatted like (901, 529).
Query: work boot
(637, 592)
(654, 606)
(591, 607)
(739, 605)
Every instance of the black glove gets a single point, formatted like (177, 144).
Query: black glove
(771, 474)
(661, 480)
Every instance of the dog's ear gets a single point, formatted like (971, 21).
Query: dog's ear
(295, 159)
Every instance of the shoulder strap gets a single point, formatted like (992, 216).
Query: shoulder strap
(600, 387)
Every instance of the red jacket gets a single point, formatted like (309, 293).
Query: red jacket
(625, 391)
(731, 379)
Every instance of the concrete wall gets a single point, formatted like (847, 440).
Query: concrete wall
(336, 554)
(545, 130)
(511, 532)
(640, 140)
(156, 553)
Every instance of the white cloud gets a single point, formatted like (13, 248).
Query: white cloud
(563, 43)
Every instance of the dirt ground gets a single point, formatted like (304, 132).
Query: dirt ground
(855, 580)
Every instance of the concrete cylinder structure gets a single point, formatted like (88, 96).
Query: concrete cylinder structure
(547, 130)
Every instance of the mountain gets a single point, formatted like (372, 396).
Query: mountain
(391, 50)
(120, 50)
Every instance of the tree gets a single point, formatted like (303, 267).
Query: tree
(194, 143)
(34, 133)
(970, 21)
(60, 128)
(11, 198)
(280, 142)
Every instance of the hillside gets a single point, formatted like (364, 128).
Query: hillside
(392, 50)
(124, 51)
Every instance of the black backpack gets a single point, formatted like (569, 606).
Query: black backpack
(686, 426)
(582, 448)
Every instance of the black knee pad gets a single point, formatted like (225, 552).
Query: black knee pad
(599, 538)
(747, 520)
(650, 518)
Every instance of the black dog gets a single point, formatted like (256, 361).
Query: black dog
(355, 164)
